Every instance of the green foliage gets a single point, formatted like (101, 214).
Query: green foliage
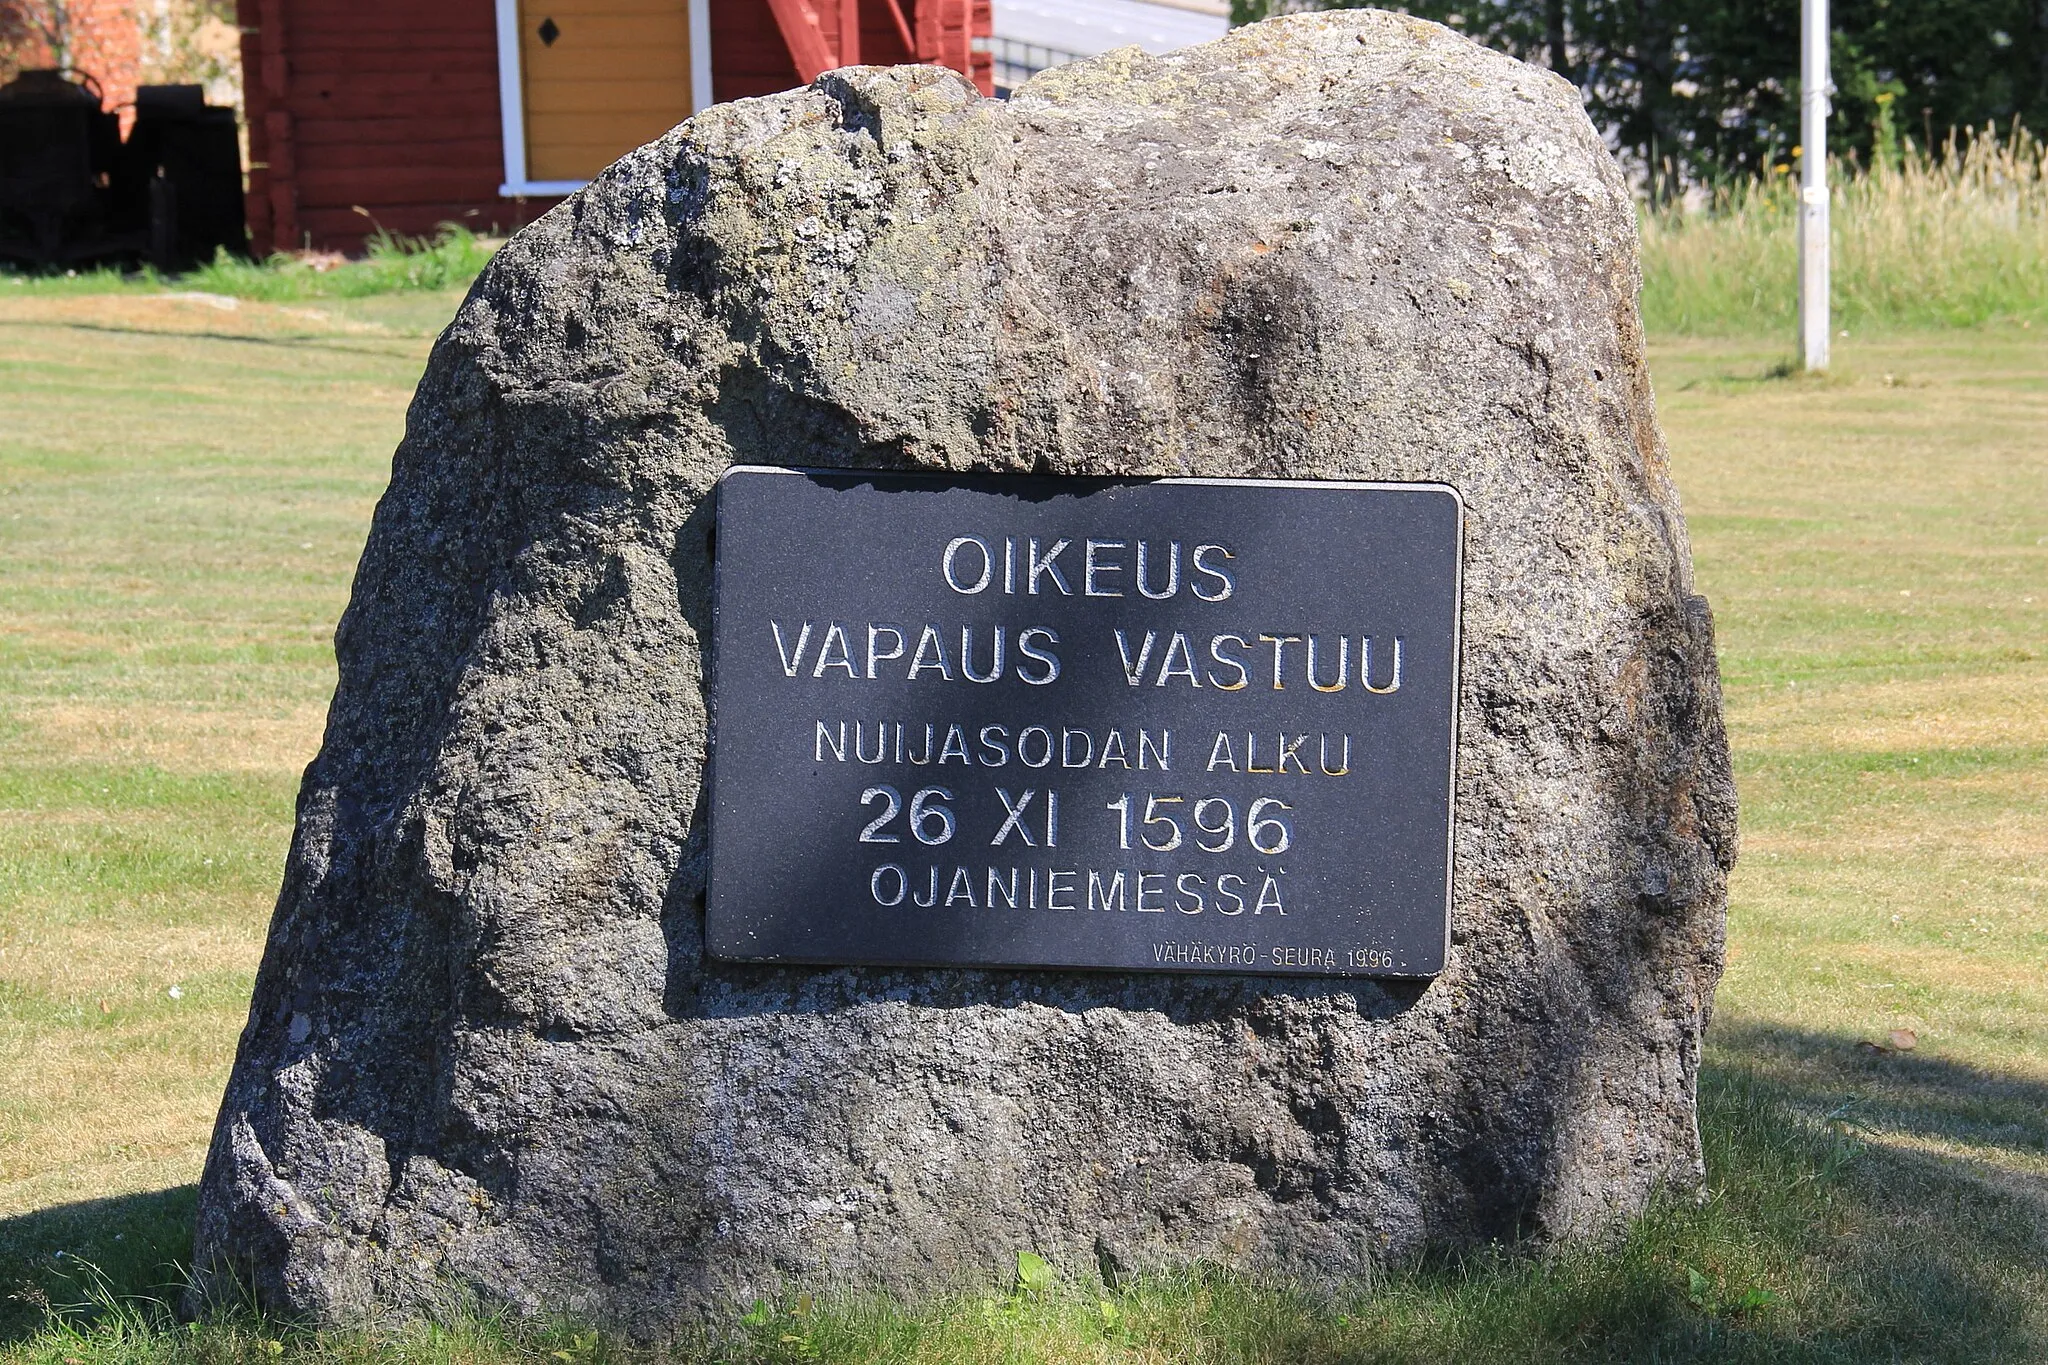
(1708, 90)
(448, 260)
(1034, 1274)
(391, 263)
(1956, 238)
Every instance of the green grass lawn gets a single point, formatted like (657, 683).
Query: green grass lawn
(184, 487)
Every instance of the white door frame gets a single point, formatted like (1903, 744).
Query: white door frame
(512, 95)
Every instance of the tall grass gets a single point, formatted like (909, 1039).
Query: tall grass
(1952, 237)
(391, 263)
(450, 259)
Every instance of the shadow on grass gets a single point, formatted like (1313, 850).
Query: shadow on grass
(141, 1242)
(1860, 1207)
(1903, 1097)
(1784, 370)
(1899, 1201)
(307, 341)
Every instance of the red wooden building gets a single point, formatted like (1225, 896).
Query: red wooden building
(405, 115)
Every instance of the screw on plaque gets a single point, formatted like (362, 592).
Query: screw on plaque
(549, 31)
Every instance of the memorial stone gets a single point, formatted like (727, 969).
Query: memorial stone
(1114, 673)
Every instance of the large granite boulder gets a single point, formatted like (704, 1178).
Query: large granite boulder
(486, 1058)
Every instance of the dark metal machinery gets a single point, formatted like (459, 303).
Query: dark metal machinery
(72, 192)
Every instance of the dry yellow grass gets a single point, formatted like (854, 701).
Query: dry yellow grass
(1878, 558)
(185, 739)
(138, 1103)
(1996, 707)
(186, 486)
(192, 314)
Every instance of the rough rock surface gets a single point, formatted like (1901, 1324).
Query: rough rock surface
(485, 1059)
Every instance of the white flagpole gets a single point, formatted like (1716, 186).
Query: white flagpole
(1813, 183)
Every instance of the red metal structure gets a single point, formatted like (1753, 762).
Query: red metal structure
(369, 113)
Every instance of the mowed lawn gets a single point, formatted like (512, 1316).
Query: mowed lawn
(186, 489)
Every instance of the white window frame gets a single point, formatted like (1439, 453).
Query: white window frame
(512, 96)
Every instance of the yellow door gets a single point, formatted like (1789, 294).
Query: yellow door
(601, 77)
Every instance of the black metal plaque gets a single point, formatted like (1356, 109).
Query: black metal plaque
(1175, 725)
